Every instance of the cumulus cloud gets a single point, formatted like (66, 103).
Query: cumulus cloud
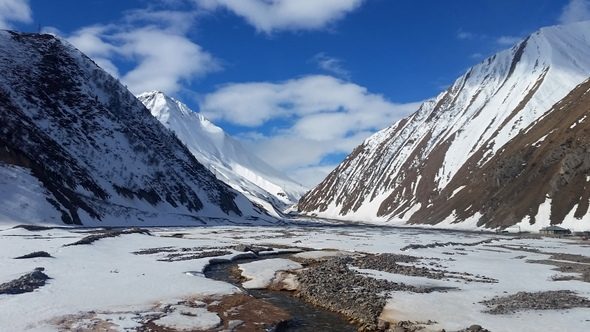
(323, 116)
(575, 11)
(14, 11)
(163, 59)
(90, 41)
(274, 15)
(154, 42)
(331, 65)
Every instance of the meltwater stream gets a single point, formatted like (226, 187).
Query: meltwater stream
(305, 317)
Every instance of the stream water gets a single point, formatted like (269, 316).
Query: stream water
(306, 317)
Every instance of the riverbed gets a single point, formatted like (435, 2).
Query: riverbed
(157, 278)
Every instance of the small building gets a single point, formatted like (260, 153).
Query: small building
(555, 230)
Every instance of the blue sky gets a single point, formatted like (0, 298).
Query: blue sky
(300, 82)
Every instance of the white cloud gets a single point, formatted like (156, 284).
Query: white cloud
(163, 59)
(89, 41)
(14, 11)
(508, 40)
(464, 35)
(312, 175)
(331, 65)
(154, 43)
(575, 11)
(274, 15)
(322, 116)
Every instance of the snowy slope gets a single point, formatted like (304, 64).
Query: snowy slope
(77, 147)
(223, 155)
(420, 162)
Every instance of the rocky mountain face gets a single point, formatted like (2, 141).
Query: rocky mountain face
(77, 147)
(224, 156)
(506, 144)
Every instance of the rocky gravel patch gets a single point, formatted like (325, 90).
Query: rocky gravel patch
(152, 251)
(173, 254)
(334, 286)
(177, 257)
(106, 234)
(563, 262)
(523, 301)
(583, 270)
(35, 254)
(390, 263)
(251, 248)
(26, 283)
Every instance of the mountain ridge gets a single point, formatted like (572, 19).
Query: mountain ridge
(401, 169)
(99, 157)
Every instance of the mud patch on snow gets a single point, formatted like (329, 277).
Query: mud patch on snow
(242, 312)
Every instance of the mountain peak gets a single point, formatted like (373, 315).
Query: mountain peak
(223, 155)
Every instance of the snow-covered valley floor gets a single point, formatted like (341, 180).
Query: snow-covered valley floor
(424, 278)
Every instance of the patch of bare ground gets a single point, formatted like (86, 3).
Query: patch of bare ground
(176, 257)
(447, 244)
(404, 326)
(523, 301)
(582, 270)
(237, 313)
(102, 234)
(418, 326)
(334, 286)
(244, 313)
(88, 322)
(391, 263)
(563, 262)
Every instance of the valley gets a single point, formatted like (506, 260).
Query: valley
(377, 278)
(425, 179)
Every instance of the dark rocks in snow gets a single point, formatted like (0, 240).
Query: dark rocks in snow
(251, 248)
(151, 251)
(445, 244)
(33, 228)
(474, 328)
(522, 301)
(176, 257)
(108, 233)
(35, 254)
(26, 283)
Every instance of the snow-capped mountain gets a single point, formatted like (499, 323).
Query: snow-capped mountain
(506, 144)
(223, 155)
(77, 147)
